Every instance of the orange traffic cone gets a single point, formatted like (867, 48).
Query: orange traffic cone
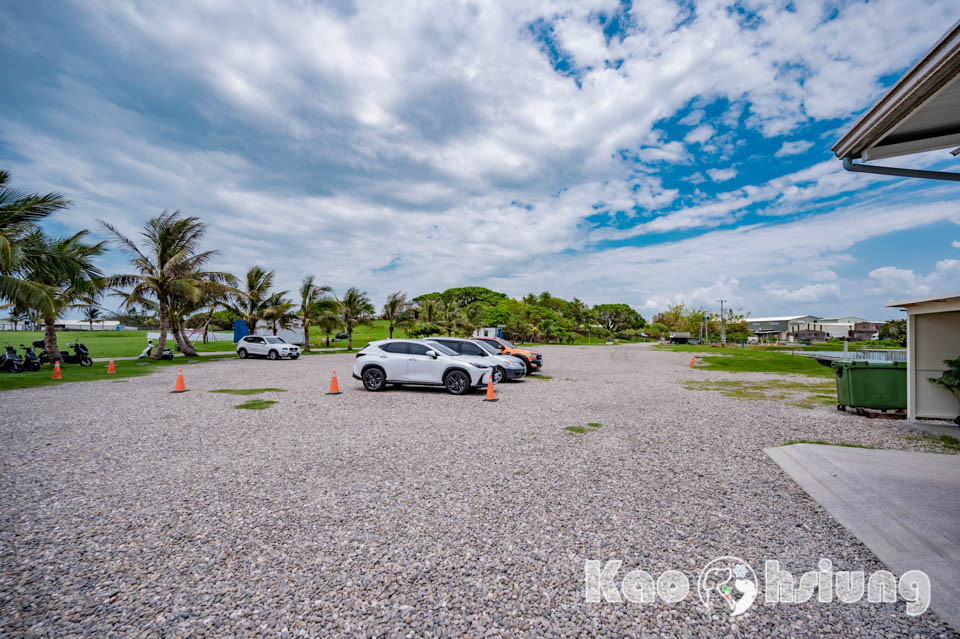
(691, 362)
(491, 396)
(110, 369)
(181, 387)
(56, 370)
(334, 387)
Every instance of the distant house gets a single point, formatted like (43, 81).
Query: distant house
(863, 331)
(680, 338)
(806, 332)
(769, 329)
(839, 327)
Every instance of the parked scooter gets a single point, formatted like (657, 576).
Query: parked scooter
(30, 360)
(10, 361)
(80, 354)
(167, 353)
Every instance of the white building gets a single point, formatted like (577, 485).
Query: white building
(933, 335)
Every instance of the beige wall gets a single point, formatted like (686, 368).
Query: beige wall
(937, 337)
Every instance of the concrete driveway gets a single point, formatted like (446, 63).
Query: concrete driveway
(904, 506)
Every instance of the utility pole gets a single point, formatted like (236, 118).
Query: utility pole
(723, 324)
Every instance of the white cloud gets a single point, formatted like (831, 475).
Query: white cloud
(795, 147)
(722, 175)
(700, 134)
(808, 293)
(955, 244)
(907, 283)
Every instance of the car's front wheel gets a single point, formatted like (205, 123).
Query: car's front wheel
(498, 375)
(374, 380)
(457, 382)
(274, 355)
(242, 353)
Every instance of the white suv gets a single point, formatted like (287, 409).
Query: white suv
(402, 361)
(266, 346)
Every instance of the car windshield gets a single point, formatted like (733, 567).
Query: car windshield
(275, 340)
(440, 348)
(506, 343)
(487, 346)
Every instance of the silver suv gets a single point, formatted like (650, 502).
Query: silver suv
(505, 367)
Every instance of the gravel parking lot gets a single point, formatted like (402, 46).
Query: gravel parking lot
(128, 511)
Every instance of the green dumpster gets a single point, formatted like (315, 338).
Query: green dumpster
(870, 384)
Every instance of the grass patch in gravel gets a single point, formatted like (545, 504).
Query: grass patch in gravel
(540, 377)
(256, 404)
(799, 394)
(580, 430)
(249, 391)
(948, 442)
(823, 443)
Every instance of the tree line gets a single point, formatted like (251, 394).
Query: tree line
(170, 285)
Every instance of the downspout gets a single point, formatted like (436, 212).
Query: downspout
(910, 173)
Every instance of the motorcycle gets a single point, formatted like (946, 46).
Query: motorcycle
(167, 353)
(10, 361)
(80, 354)
(30, 361)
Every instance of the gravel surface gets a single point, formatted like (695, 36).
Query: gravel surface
(128, 511)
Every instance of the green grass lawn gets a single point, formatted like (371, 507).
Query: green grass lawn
(76, 373)
(751, 360)
(105, 343)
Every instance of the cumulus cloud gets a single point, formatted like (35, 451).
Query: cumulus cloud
(335, 137)
(955, 244)
(794, 147)
(722, 175)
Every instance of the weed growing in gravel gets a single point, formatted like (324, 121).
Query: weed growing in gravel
(947, 442)
(256, 404)
(802, 395)
(540, 377)
(580, 430)
(823, 443)
(249, 391)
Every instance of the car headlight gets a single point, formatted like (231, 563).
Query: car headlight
(476, 365)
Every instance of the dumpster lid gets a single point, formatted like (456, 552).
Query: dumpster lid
(871, 363)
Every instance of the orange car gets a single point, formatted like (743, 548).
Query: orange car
(531, 359)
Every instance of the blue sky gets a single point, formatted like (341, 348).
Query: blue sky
(651, 154)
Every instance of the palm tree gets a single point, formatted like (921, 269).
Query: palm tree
(252, 303)
(19, 212)
(64, 268)
(168, 268)
(449, 318)
(279, 311)
(210, 295)
(472, 318)
(395, 310)
(329, 321)
(313, 304)
(355, 308)
(91, 313)
(428, 310)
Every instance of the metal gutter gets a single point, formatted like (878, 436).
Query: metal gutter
(849, 165)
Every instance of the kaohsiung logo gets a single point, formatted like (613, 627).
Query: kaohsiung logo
(730, 584)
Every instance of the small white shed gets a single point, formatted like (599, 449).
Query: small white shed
(933, 335)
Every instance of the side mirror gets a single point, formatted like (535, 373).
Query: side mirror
(432, 354)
